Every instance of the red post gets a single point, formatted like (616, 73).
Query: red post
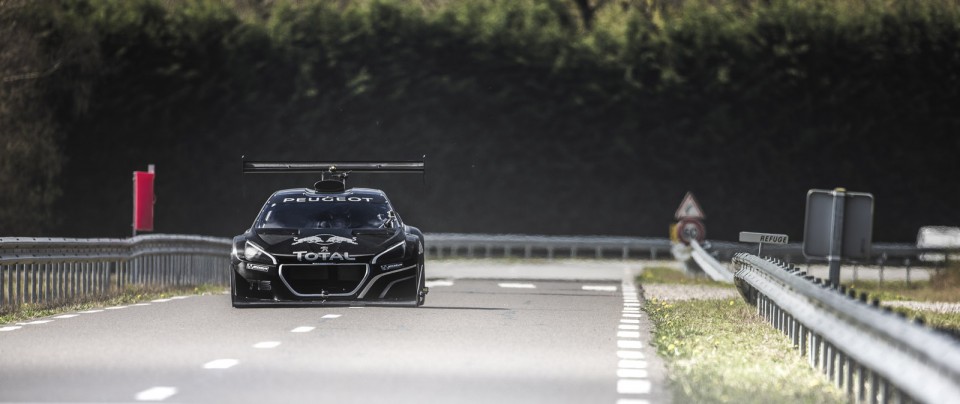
(143, 200)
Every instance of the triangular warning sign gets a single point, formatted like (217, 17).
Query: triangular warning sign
(689, 208)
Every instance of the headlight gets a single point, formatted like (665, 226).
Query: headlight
(253, 252)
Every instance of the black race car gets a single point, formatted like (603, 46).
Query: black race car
(328, 245)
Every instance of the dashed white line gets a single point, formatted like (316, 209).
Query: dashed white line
(629, 344)
(630, 354)
(632, 401)
(303, 329)
(628, 334)
(632, 315)
(221, 364)
(629, 327)
(356, 307)
(599, 288)
(158, 393)
(632, 373)
(66, 316)
(517, 285)
(431, 284)
(10, 328)
(331, 316)
(632, 363)
(633, 386)
(266, 344)
(629, 321)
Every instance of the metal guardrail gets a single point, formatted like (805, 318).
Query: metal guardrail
(873, 354)
(59, 270)
(713, 268)
(442, 245)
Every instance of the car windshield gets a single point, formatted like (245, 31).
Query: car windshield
(324, 215)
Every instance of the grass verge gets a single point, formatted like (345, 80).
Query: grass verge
(130, 295)
(677, 277)
(719, 351)
(943, 286)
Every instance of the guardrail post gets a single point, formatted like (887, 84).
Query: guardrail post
(573, 252)
(907, 262)
(550, 253)
(626, 253)
(653, 253)
(527, 251)
(598, 252)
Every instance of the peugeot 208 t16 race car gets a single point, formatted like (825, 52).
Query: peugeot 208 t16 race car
(328, 245)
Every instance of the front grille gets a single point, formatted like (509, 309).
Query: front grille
(323, 279)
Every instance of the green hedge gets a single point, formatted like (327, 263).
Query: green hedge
(531, 122)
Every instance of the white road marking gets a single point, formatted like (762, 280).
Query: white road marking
(116, 307)
(517, 285)
(633, 386)
(599, 288)
(629, 327)
(632, 401)
(631, 315)
(303, 329)
(179, 297)
(431, 284)
(221, 364)
(626, 300)
(158, 393)
(631, 305)
(89, 311)
(10, 328)
(142, 304)
(628, 344)
(628, 334)
(36, 322)
(356, 307)
(632, 364)
(267, 344)
(629, 321)
(630, 354)
(634, 311)
(632, 373)
(66, 316)
(331, 316)
(160, 300)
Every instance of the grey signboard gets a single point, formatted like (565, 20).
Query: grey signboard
(849, 224)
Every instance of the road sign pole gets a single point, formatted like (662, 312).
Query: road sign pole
(836, 242)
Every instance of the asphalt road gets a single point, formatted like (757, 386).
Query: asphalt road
(476, 341)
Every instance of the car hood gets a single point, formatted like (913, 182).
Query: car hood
(354, 241)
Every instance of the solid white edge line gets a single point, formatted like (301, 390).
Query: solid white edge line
(160, 301)
(116, 307)
(158, 393)
(90, 311)
(331, 316)
(303, 329)
(142, 304)
(10, 328)
(221, 364)
(599, 288)
(36, 322)
(266, 344)
(66, 316)
(431, 284)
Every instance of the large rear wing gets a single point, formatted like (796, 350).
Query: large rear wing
(333, 174)
(334, 167)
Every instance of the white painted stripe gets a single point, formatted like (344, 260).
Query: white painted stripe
(180, 297)
(633, 386)
(631, 304)
(356, 307)
(630, 354)
(631, 315)
(10, 328)
(116, 307)
(431, 284)
(160, 300)
(302, 329)
(66, 316)
(142, 304)
(158, 393)
(629, 327)
(633, 311)
(267, 344)
(632, 373)
(628, 334)
(629, 321)
(632, 401)
(631, 301)
(331, 316)
(89, 311)
(628, 344)
(36, 322)
(599, 288)
(632, 364)
(517, 285)
(221, 364)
